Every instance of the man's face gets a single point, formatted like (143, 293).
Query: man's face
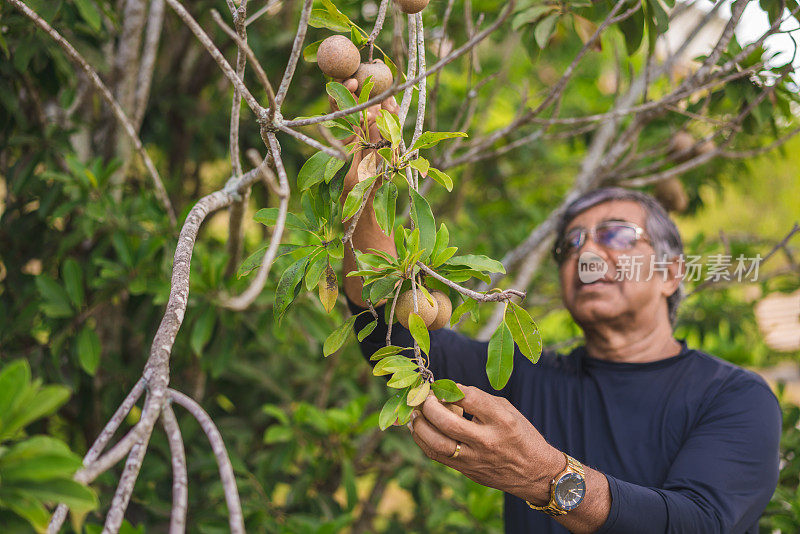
(621, 294)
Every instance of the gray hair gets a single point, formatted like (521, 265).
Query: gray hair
(664, 235)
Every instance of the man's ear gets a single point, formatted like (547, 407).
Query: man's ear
(675, 276)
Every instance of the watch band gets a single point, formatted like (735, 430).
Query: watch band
(552, 508)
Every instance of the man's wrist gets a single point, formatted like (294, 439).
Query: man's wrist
(546, 471)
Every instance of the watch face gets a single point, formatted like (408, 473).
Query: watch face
(569, 491)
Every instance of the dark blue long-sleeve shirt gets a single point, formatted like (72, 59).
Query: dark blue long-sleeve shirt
(688, 444)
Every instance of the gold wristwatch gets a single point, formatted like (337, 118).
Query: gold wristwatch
(567, 489)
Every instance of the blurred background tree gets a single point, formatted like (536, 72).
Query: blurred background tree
(86, 245)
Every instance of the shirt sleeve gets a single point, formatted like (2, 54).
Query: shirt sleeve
(453, 355)
(722, 478)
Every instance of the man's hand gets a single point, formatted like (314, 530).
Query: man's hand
(499, 447)
(368, 234)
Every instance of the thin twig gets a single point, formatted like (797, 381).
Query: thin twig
(235, 520)
(297, 48)
(480, 297)
(155, 21)
(378, 26)
(127, 480)
(241, 42)
(101, 88)
(180, 482)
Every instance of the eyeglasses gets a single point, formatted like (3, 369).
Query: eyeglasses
(615, 235)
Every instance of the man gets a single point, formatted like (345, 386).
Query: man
(632, 432)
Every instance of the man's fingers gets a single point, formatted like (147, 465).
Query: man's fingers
(390, 105)
(435, 444)
(351, 84)
(448, 423)
(480, 404)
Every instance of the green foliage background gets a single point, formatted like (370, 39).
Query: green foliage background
(85, 268)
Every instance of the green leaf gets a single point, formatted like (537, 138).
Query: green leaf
(388, 413)
(383, 352)
(385, 205)
(531, 14)
(524, 331)
(278, 434)
(429, 139)
(44, 402)
(478, 262)
(500, 361)
(73, 281)
(337, 338)
(633, 30)
(389, 126)
(382, 288)
(420, 332)
(443, 256)
(403, 379)
(316, 266)
(465, 307)
(88, 349)
(69, 492)
(269, 216)
(89, 13)
(392, 364)
(57, 302)
(310, 52)
(421, 164)
(544, 30)
(366, 89)
(333, 166)
(447, 391)
(321, 18)
(285, 292)
(202, 330)
(356, 197)
(441, 177)
(404, 412)
(313, 170)
(28, 508)
(344, 99)
(422, 216)
(329, 289)
(367, 330)
(442, 240)
(40, 468)
(386, 154)
(418, 394)
(15, 380)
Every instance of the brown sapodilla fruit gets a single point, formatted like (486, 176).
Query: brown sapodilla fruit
(671, 194)
(338, 57)
(411, 6)
(445, 310)
(381, 76)
(405, 306)
(680, 143)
